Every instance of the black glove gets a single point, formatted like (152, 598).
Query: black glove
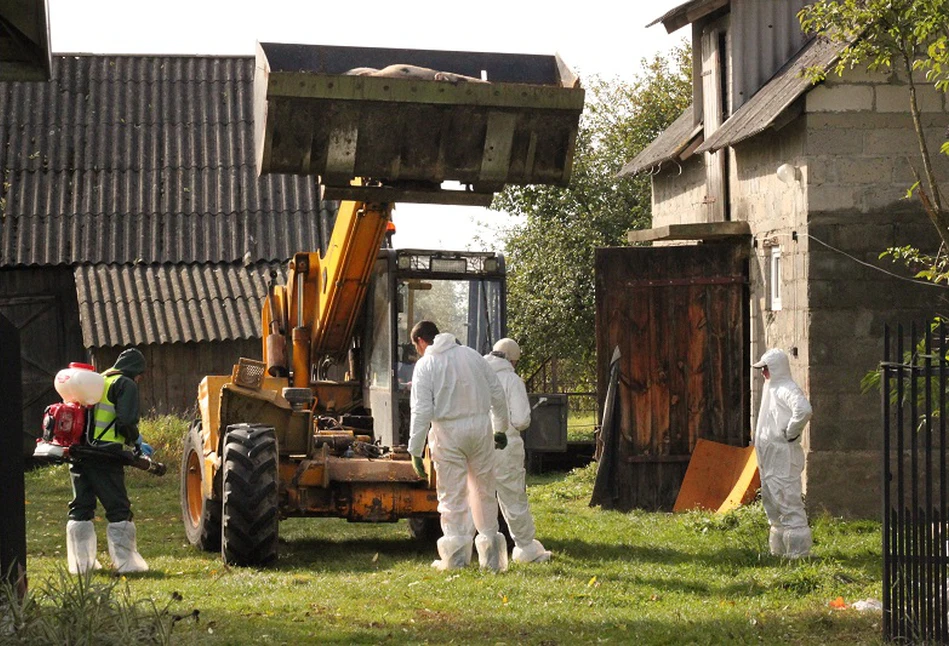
(500, 440)
(418, 465)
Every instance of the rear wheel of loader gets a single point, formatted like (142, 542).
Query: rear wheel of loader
(201, 515)
(425, 530)
(250, 518)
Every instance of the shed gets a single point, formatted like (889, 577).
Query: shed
(817, 175)
(131, 214)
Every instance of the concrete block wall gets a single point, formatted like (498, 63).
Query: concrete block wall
(859, 147)
(678, 193)
(775, 210)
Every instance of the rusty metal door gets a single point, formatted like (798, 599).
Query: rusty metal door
(679, 317)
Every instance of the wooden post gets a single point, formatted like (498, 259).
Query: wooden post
(12, 491)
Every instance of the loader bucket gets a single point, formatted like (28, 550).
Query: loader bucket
(720, 478)
(483, 121)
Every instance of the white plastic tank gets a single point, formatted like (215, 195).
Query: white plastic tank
(80, 383)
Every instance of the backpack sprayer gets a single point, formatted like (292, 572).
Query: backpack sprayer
(65, 422)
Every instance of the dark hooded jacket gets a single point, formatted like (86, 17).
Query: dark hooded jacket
(124, 393)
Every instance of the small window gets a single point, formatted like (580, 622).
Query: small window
(774, 279)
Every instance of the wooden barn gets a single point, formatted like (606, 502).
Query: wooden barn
(131, 214)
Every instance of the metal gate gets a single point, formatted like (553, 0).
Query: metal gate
(915, 496)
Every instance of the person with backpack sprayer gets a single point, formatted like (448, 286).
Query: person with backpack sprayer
(114, 424)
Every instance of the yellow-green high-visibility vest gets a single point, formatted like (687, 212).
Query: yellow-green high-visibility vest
(104, 428)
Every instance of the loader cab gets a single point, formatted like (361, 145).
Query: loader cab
(463, 292)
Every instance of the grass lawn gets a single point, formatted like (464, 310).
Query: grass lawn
(643, 578)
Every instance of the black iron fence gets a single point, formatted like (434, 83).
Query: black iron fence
(915, 496)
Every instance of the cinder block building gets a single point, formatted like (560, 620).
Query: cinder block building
(808, 183)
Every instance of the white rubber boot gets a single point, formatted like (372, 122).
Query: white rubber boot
(81, 547)
(776, 541)
(492, 552)
(123, 548)
(533, 553)
(798, 542)
(454, 553)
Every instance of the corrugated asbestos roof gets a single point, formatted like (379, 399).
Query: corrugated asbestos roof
(784, 88)
(759, 113)
(672, 141)
(125, 159)
(144, 304)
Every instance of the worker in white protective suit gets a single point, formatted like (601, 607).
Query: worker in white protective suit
(784, 413)
(509, 469)
(454, 392)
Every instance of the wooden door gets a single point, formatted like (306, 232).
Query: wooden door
(39, 321)
(679, 317)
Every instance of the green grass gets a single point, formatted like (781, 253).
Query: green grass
(649, 578)
(580, 426)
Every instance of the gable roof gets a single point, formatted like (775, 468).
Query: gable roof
(687, 12)
(760, 112)
(763, 109)
(125, 159)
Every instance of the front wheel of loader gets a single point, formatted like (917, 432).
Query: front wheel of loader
(201, 515)
(250, 484)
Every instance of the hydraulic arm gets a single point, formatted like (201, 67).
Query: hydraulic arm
(318, 307)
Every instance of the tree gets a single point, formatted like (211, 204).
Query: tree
(551, 253)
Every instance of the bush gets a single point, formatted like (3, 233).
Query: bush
(73, 609)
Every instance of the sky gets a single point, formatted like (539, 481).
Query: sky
(593, 37)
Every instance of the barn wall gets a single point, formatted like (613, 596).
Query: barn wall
(174, 371)
(41, 304)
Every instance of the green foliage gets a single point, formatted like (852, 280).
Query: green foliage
(882, 32)
(551, 253)
(71, 609)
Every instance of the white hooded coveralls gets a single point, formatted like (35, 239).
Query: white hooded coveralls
(509, 466)
(453, 390)
(784, 413)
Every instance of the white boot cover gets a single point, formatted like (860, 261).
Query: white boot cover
(492, 552)
(797, 542)
(533, 553)
(81, 547)
(123, 548)
(454, 553)
(776, 541)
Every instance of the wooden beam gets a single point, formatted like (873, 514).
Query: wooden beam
(695, 231)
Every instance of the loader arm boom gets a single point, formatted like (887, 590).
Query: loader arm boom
(345, 271)
(325, 292)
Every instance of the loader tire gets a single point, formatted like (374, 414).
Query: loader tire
(425, 530)
(201, 515)
(250, 484)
